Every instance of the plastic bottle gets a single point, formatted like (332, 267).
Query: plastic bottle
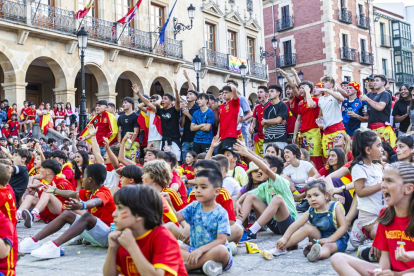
(113, 227)
(62, 251)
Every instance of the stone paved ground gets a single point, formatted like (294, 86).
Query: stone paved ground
(88, 260)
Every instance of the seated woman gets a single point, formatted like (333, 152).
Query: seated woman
(404, 149)
(343, 141)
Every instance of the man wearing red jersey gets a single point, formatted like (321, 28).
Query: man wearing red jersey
(310, 135)
(8, 246)
(258, 113)
(14, 126)
(92, 226)
(228, 113)
(30, 119)
(47, 206)
(7, 201)
(23, 114)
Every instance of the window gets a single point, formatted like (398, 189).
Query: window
(232, 43)
(347, 78)
(360, 9)
(285, 12)
(363, 44)
(123, 7)
(250, 49)
(94, 10)
(287, 49)
(343, 4)
(48, 2)
(345, 40)
(384, 67)
(211, 37)
(157, 17)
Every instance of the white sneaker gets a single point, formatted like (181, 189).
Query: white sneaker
(76, 241)
(28, 218)
(212, 268)
(233, 248)
(28, 245)
(277, 252)
(47, 251)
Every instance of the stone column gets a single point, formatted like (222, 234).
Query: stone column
(109, 97)
(15, 92)
(65, 95)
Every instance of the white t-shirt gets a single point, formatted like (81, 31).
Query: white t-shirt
(239, 125)
(153, 134)
(112, 179)
(231, 185)
(331, 110)
(372, 175)
(299, 174)
(69, 147)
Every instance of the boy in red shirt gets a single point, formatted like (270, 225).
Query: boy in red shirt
(47, 206)
(140, 245)
(14, 126)
(8, 246)
(7, 201)
(67, 171)
(30, 119)
(5, 131)
(258, 114)
(228, 113)
(92, 226)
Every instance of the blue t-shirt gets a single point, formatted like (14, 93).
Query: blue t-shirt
(352, 124)
(204, 227)
(203, 137)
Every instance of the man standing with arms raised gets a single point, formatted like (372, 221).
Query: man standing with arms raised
(258, 113)
(128, 122)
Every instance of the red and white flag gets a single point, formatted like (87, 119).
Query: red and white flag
(130, 14)
(82, 13)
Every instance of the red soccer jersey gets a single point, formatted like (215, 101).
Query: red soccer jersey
(309, 115)
(103, 124)
(31, 112)
(176, 200)
(258, 113)
(228, 113)
(103, 212)
(8, 234)
(160, 248)
(5, 132)
(14, 127)
(324, 171)
(24, 113)
(8, 203)
(293, 112)
(188, 171)
(182, 190)
(224, 199)
(387, 237)
(68, 172)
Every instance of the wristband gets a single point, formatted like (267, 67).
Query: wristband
(53, 191)
(84, 205)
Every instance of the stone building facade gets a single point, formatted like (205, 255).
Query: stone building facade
(39, 55)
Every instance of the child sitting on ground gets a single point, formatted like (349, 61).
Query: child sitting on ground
(92, 226)
(140, 245)
(327, 228)
(209, 227)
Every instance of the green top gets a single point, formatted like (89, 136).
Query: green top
(266, 191)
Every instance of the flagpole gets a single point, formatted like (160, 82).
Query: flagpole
(37, 8)
(125, 25)
(80, 24)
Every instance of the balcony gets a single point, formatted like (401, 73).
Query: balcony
(286, 60)
(215, 59)
(363, 21)
(386, 41)
(366, 58)
(348, 54)
(52, 18)
(345, 16)
(258, 70)
(136, 39)
(12, 10)
(404, 78)
(170, 48)
(284, 23)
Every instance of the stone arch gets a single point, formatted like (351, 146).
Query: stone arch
(184, 88)
(123, 89)
(101, 77)
(8, 66)
(165, 86)
(213, 90)
(252, 99)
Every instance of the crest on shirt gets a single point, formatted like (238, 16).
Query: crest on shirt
(95, 121)
(105, 121)
(356, 104)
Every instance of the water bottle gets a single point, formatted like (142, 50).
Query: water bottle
(113, 227)
(62, 251)
(365, 109)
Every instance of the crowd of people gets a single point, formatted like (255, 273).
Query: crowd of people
(175, 184)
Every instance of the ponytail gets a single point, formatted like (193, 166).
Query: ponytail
(362, 139)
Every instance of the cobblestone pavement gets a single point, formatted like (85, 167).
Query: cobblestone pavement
(88, 260)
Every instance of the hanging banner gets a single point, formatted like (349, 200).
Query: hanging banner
(235, 62)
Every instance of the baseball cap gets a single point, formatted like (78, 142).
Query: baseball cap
(370, 77)
(3, 139)
(227, 148)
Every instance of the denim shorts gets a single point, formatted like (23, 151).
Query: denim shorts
(98, 235)
(229, 264)
(342, 243)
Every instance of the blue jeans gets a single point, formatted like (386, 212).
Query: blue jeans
(185, 148)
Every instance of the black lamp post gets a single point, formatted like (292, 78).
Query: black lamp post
(264, 54)
(282, 84)
(197, 68)
(82, 35)
(178, 27)
(243, 72)
(300, 75)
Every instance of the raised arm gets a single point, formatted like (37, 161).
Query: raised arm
(187, 77)
(290, 81)
(39, 151)
(309, 99)
(379, 106)
(121, 155)
(234, 90)
(111, 155)
(214, 144)
(334, 94)
(177, 97)
(95, 147)
(135, 88)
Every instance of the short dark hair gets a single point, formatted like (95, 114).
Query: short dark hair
(5, 174)
(169, 96)
(53, 165)
(64, 148)
(203, 95)
(47, 154)
(382, 77)
(24, 153)
(111, 105)
(155, 97)
(294, 149)
(115, 150)
(143, 201)
(211, 97)
(277, 87)
(168, 157)
(344, 82)
(227, 88)
(328, 78)
(264, 88)
(222, 160)
(275, 162)
(97, 172)
(308, 83)
(193, 91)
(233, 82)
(201, 156)
(213, 177)
(60, 154)
(207, 164)
(51, 140)
(134, 172)
(153, 150)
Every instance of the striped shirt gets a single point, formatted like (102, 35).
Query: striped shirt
(276, 132)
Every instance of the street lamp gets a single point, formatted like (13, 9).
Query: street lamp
(264, 54)
(82, 35)
(300, 75)
(197, 68)
(243, 72)
(178, 27)
(281, 80)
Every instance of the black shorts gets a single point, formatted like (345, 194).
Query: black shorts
(227, 143)
(200, 148)
(279, 228)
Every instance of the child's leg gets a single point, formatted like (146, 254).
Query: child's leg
(51, 201)
(86, 222)
(346, 265)
(218, 253)
(174, 229)
(28, 202)
(307, 231)
(236, 233)
(327, 250)
(353, 212)
(31, 124)
(277, 207)
(56, 225)
(372, 229)
(251, 201)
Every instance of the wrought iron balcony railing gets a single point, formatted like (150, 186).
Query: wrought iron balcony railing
(170, 48)
(386, 41)
(363, 21)
(100, 29)
(12, 10)
(366, 58)
(348, 54)
(136, 39)
(286, 60)
(258, 69)
(345, 16)
(53, 18)
(214, 59)
(284, 23)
